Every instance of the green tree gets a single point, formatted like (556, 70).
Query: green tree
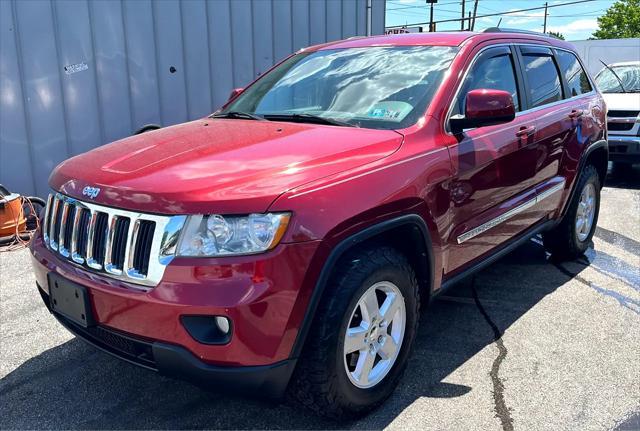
(556, 34)
(621, 20)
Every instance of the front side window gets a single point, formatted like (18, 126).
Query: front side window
(574, 74)
(490, 72)
(374, 87)
(544, 82)
(619, 79)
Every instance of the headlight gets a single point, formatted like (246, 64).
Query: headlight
(215, 235)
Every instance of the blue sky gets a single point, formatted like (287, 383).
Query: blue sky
(575, 22)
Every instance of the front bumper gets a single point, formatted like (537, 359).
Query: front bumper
(268, 381)
(264, 296)
(624, 149)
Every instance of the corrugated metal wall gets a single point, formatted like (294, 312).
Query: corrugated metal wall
(75, 74)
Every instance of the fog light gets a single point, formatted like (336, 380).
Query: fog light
(208, 329)
(223, 324)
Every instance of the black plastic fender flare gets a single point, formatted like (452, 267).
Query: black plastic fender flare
(340, 249)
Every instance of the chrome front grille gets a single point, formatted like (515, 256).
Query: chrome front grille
(122, 244)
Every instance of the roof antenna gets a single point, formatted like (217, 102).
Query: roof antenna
(499, 21)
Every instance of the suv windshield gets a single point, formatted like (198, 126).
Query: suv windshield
(629, 75)
(379, 87)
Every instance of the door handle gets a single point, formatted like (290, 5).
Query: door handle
(525, 131)
(576, 113)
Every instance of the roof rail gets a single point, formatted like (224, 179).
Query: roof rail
(516, 30)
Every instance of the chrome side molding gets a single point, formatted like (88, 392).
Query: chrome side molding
(512, 212)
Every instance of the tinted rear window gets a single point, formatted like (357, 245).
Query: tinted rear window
(574, 74)
(544, 81)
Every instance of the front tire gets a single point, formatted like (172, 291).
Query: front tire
(361, 337)
(571, 238)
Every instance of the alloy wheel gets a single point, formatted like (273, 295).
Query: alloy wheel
(586, 211)
(374, 335)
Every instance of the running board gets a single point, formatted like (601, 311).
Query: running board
(497, 255)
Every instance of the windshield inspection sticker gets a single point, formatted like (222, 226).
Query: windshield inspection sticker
(390, 111)
(74, 68)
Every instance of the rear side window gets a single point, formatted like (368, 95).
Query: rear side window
(491, 71)
(542, 75)
(575, 76)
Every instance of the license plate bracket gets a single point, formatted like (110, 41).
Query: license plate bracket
(70, 300)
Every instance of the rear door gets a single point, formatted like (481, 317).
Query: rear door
(557, 90)
(495, 166)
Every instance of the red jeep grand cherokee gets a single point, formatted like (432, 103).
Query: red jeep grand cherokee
(287, 241)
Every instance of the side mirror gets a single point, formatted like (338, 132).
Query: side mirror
(234, 93)
(484, 107)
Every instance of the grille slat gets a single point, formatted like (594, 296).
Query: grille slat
(69, 216)
(47, 215)
(118, 247)
(143, 247)
(82, 233)
(116, 242)
(55, 223)
(100, 238)
(623, 114)
(619, 127)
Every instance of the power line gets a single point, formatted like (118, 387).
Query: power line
(418, 6)
(499, 13)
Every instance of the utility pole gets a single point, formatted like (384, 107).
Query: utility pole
(475, 11)
(469, 23)
(546, 5)
(463, 17)
(432, 26)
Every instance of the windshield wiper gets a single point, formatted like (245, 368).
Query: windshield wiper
(616, 75)
(308, 118)
(238, 114)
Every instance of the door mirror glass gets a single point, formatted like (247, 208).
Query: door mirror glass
(484, 107)
(235, 93)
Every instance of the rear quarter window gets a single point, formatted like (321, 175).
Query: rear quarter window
(575, 76)
(542, 76)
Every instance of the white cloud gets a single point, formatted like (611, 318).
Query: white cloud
(532, 20)
(577, 26)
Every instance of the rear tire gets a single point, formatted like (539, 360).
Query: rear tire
(571, 238)
(337, 384)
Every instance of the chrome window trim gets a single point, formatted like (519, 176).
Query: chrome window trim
(472, 233)
(537, 108)
(166, 229)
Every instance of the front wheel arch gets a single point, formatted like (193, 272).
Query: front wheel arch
(419, 253)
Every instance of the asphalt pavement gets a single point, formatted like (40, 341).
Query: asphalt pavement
(525, 345)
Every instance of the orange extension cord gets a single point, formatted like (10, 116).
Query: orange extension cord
(18, 241)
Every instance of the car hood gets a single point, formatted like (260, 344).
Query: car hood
(218, 165)
(622, 101)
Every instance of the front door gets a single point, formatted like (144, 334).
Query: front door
(492, 192)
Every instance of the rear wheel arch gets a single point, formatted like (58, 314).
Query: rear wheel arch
(599, 158)
(408, 234)
(597, 154)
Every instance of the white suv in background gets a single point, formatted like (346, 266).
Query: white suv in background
(620, 86)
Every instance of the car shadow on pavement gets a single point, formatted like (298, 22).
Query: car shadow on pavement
(76, 386)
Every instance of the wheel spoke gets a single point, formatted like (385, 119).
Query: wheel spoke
(369, 306)
(388, 349)
(354, 340)
(390, 307)
(579, 225)
(377, 336)
(364, 367)
(581, 208)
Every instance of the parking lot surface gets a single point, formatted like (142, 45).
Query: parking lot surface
(526, 344)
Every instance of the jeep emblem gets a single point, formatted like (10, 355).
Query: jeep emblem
(92, 192)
